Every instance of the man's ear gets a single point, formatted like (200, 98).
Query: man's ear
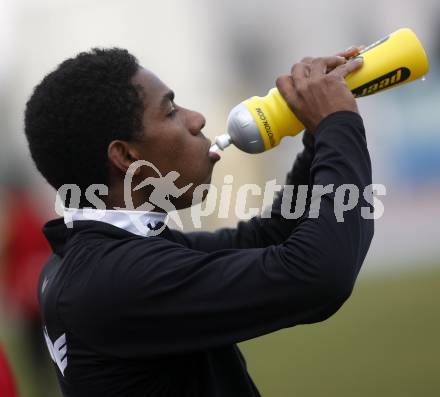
(121, 155)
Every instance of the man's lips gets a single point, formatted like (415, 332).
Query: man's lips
(214, 156)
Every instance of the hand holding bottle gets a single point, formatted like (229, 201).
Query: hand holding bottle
(259, 123)
(313, 93)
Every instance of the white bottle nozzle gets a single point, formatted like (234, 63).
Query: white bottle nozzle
(214, 148)
(221, 142)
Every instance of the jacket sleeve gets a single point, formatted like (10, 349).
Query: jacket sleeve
(166, 298)
(258, 232)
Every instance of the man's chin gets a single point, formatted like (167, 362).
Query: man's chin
(196, 196)
(208, 179)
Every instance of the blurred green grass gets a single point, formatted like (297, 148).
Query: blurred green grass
(385, 341)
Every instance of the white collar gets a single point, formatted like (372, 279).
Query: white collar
(142, 223)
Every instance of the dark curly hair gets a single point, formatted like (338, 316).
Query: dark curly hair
(77, 110)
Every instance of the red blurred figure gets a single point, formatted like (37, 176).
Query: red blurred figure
(25, 250)
(7, 384)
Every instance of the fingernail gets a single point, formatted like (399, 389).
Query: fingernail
(357, 59)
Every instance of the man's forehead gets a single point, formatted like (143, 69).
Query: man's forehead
(153, 88)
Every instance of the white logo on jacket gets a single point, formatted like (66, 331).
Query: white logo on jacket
(57, 350)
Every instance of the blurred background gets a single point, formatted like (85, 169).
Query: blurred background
(385, 340)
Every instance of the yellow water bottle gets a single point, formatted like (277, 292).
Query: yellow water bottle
(259, 123)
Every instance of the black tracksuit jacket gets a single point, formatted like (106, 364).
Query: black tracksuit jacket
(135, 316)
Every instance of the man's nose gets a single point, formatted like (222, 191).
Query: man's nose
(196, 122)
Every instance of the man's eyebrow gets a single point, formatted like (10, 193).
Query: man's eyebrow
(168, 97)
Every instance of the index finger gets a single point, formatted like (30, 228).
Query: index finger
(349, 67)
(350, 52)
(321, 66)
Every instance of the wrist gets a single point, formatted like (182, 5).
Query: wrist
(335, 117)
